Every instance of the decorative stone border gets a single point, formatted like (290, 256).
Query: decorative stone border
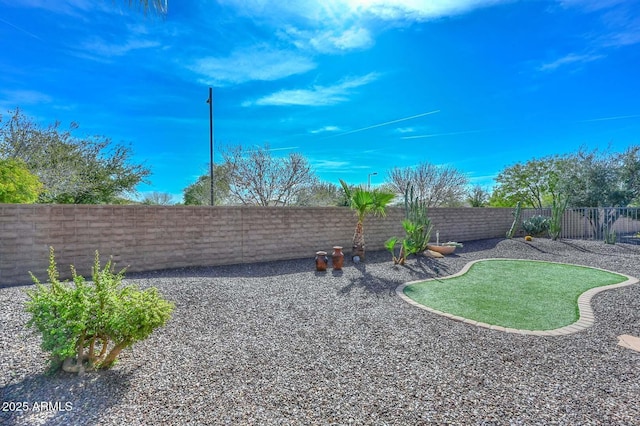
(585, 320)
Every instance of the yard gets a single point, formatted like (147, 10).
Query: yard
(278, 343)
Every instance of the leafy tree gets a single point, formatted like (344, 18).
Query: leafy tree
(602, 179)
(17, 184)
(255, 177)
(72, 170)
(528, 182)
(478, 197)
(437, 185)
(365, 202)
(199, 192)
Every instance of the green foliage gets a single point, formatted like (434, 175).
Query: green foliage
(536, 225)
(528, 182)
(390, 245)
(90, 170)
(83, 323)
(17, 184)
(558, 208)
(417, 224)
(610, 236)
(365, 202)
(516, 219)
(417, 227)
(199, 192)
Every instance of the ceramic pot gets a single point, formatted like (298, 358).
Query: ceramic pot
(337, 258)
(321, 261)
(442, 249)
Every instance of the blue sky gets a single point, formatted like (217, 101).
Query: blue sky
(356, 86)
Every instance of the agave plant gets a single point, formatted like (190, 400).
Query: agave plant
(365, 202)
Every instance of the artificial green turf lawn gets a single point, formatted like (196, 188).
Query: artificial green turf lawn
(519, 294)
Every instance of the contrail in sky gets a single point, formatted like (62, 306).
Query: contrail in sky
(619, 117)
(20, 29)
(442, 134)
(383, 124)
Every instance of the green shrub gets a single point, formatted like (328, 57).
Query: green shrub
(536, 225)
(87, 325)
(417, 224)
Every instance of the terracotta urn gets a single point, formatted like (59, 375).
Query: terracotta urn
(321, 261)
(442, 249)
(337, 258)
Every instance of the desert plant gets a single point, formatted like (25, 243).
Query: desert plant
(610, 236)
(536, 225)
(417, 224)
(516, 219)
(365, 202)
(390, 245)
(557, 213)
(87, 325)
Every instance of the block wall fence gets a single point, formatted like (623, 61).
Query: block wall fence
(159, 237)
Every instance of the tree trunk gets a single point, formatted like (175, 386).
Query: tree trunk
(113, 354)
(358, 242)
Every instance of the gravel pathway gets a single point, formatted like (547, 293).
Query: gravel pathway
(278, 343)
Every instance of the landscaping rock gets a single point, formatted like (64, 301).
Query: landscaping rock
(278, 343)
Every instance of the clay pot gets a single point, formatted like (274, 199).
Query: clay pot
(321, 261)
(442, 249)
(337, 258)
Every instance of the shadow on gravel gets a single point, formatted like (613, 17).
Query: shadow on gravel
(605, 249)
(261, 269)
(479, 245)
(64, 396)
(370, 283)
(419, 268)
(425, 268)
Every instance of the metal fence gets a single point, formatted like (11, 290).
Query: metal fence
(611, 224)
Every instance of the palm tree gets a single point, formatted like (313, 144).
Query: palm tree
(365, 202)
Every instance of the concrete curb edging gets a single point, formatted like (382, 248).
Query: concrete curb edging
(585, 320)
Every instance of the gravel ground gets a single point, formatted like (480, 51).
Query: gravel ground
(278, 343)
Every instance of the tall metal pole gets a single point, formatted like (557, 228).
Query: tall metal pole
(210, 102)
(369, 179)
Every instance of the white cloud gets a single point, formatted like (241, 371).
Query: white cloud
(405, 130)
(330, 12)
(331, 40)
(255, 63)
(330, 165)
(325, 129)
(25, 97)
(317, 95)
(102, 48)
(570, 59)
(418, 10)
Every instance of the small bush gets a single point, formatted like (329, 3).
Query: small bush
(86, 325)
(536, 225)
